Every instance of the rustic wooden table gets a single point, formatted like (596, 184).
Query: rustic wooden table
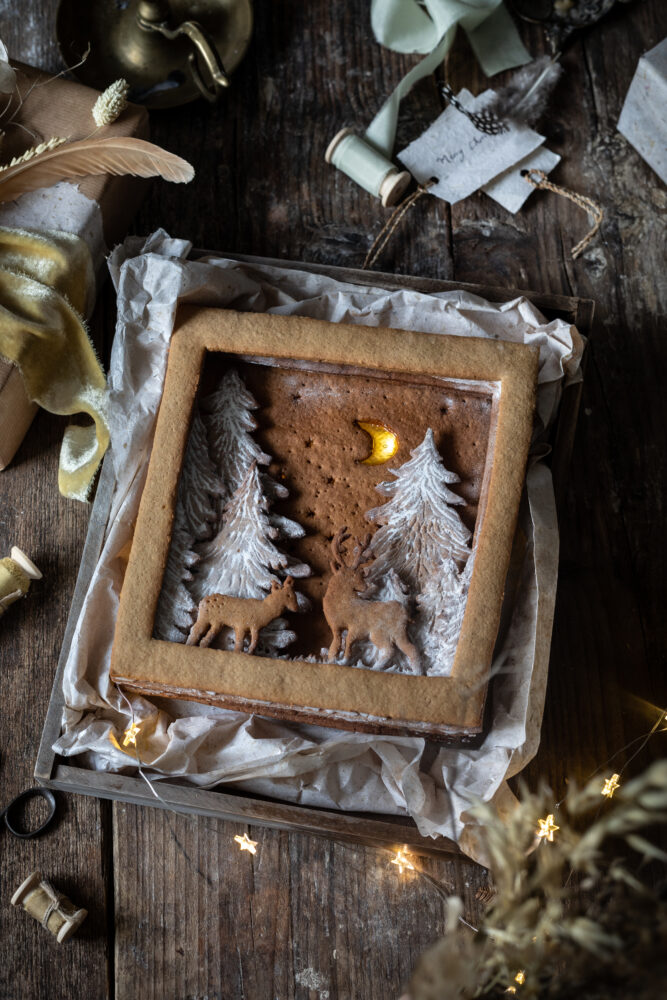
(175, 911)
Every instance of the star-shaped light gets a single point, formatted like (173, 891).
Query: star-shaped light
(246, 844)
(610, 786)
(131, 735)
(547, 828)
(402, 861)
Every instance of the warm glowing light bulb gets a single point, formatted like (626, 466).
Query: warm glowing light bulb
(610, 786)
(402, 861)
(131, 735)
(246, 844)
(547, 828)
(520, 977)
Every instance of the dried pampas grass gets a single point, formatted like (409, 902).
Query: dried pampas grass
(570, 919)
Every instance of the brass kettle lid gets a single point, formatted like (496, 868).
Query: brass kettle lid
(169, 51)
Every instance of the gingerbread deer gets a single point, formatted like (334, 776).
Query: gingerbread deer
(217, 611)
(385, 623)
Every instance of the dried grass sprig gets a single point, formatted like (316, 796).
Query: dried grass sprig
(111, 103)
(42, 147)
(569, 917)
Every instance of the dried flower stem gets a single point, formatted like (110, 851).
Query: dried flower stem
(34, 151)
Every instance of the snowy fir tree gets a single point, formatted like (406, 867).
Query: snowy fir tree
(200, 487)
(229, 421)
(230, 425)
(422, 537)
(242, 559)
(442, 604)
(176, 610)
(418, 526)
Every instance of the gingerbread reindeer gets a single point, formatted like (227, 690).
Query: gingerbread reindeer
(385, 623)
(243, 615)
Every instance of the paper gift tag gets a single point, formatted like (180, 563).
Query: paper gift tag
(509, 189)
(462, 158)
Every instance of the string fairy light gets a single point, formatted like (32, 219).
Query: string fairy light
(246, 844)
(401, 858)
(402, 861)
(546, 828)
(610, 785)
(131, 733)
(520, 977)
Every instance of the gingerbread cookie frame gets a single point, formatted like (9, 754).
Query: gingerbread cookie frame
(335, 694)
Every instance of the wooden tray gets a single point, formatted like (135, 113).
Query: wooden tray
(361, 828)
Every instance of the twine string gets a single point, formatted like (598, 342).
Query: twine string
(55, 899)
(538, 179)
(387, 231)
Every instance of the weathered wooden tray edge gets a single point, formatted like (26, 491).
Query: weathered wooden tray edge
(366, 829)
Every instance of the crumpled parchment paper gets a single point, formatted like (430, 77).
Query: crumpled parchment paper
(307, 764)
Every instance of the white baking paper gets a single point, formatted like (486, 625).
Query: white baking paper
(307, 764)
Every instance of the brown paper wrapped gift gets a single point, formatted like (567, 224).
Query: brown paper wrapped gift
(61, 108)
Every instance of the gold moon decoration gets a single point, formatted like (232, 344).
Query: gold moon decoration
(384, 442)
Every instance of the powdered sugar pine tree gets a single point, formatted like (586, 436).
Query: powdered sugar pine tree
(419, 528)
(230, 425)
(200, 487)
(422, 537)
(229, 421)
(176, 608)
(442, 605)
(199, 490)
(242, 559)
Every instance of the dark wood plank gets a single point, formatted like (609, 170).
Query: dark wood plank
(302, 918)
(73, 853)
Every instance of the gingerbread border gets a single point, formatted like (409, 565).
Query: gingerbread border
(297, 689)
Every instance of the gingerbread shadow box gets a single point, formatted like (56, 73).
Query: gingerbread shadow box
(325, 531)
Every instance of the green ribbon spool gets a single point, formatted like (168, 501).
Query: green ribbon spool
(426, 26)
(371, 170)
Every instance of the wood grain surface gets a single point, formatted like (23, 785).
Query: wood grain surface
(176, 911)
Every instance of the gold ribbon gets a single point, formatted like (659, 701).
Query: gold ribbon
(44, 283)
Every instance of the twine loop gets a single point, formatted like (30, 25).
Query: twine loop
(538, 179)
(385, 234)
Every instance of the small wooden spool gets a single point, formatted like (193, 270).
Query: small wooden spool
(53, 910)
(16, 574)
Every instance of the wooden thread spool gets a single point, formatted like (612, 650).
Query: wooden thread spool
(355, 157)
(16, 572)
(53, 910)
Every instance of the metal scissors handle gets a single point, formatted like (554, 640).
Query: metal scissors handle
(9, 813)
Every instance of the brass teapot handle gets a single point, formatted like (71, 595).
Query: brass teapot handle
(152, 16)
